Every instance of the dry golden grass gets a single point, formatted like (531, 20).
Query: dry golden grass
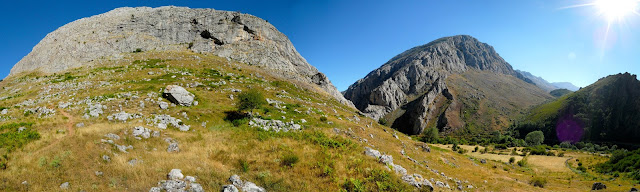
(212, 153)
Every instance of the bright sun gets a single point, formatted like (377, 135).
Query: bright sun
(616, 9)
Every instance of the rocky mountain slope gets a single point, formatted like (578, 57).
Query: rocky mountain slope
(538, 81)
(236, 36)
(414, 90)
(605, 111)
(565, 85)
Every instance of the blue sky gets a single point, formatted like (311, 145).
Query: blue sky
(348, 39)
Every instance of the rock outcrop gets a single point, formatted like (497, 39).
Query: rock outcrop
(236, 36)
(410, 84)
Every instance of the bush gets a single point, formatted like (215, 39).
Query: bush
(561, 154)
(430, 135)
(538, 182)
(383, 121)
(475, 149)
(353, 185)
(534, 138)
(323, 119)
(512, 160)
(250, 100)
(289, 159)
(523, 162)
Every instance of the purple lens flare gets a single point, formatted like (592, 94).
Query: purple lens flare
(569, 128)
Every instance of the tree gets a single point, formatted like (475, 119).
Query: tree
(250, 100)
(430, 135)
(534, 138)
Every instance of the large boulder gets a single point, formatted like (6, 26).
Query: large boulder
(178, 95)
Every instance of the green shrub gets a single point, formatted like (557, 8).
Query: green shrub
(383, 121)
(323, 119)
(561, 154)
(512, 160)
(138, 50)
(476, 149)
(289, 159)
(538, 182)
(353, 185)
(523, 162)
(250, 100)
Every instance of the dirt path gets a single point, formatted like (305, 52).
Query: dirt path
(70, 130)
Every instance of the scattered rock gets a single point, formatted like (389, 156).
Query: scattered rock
(96, 109)
(178, 95)
(175, 174)
(372, 152)
(64, 186)
(106, 158)
(632, 189)
(162, 121)
(99, 173)
(4, 111)
(81, 124)
(229, 188)
(274, 125)
(483, 161)
(176, 183)
(440, 184)
(133, 162)
(386, 159)
(140, 131)
(598, 186)
(112, 136)
(163, 105)
(246, 186)
(173, 147)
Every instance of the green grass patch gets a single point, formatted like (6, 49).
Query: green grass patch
(151, 63)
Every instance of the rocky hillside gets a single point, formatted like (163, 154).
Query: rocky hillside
(413, 90)
(236, 36)
(605, 111)
(538, 81)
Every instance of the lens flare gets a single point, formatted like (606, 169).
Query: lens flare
(616, 9)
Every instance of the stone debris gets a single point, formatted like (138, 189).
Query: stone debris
(176, 181)
(178, 95)
(123, 148)
(162, 121)
(274, 125)
(106, 158)
(112, 136)
(163, 105)
(96, 109)
(123, 116)
(140, 131)
(246, 186)
(173, 147)
(4, 111)
(41, 111)
(99, 173)
(64, 186)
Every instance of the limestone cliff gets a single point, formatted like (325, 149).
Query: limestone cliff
(233, 35)
(407, 88)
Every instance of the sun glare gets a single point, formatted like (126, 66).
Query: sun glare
(616, 9)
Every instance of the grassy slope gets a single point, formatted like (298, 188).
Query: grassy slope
(487, 101)
(212, 153)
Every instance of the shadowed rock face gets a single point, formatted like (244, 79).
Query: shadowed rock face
(412, 81)
(233, 35)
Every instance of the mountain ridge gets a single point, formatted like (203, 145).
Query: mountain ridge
(233, 35)
(418, 76)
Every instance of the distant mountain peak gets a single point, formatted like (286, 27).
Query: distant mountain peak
(409, 85)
